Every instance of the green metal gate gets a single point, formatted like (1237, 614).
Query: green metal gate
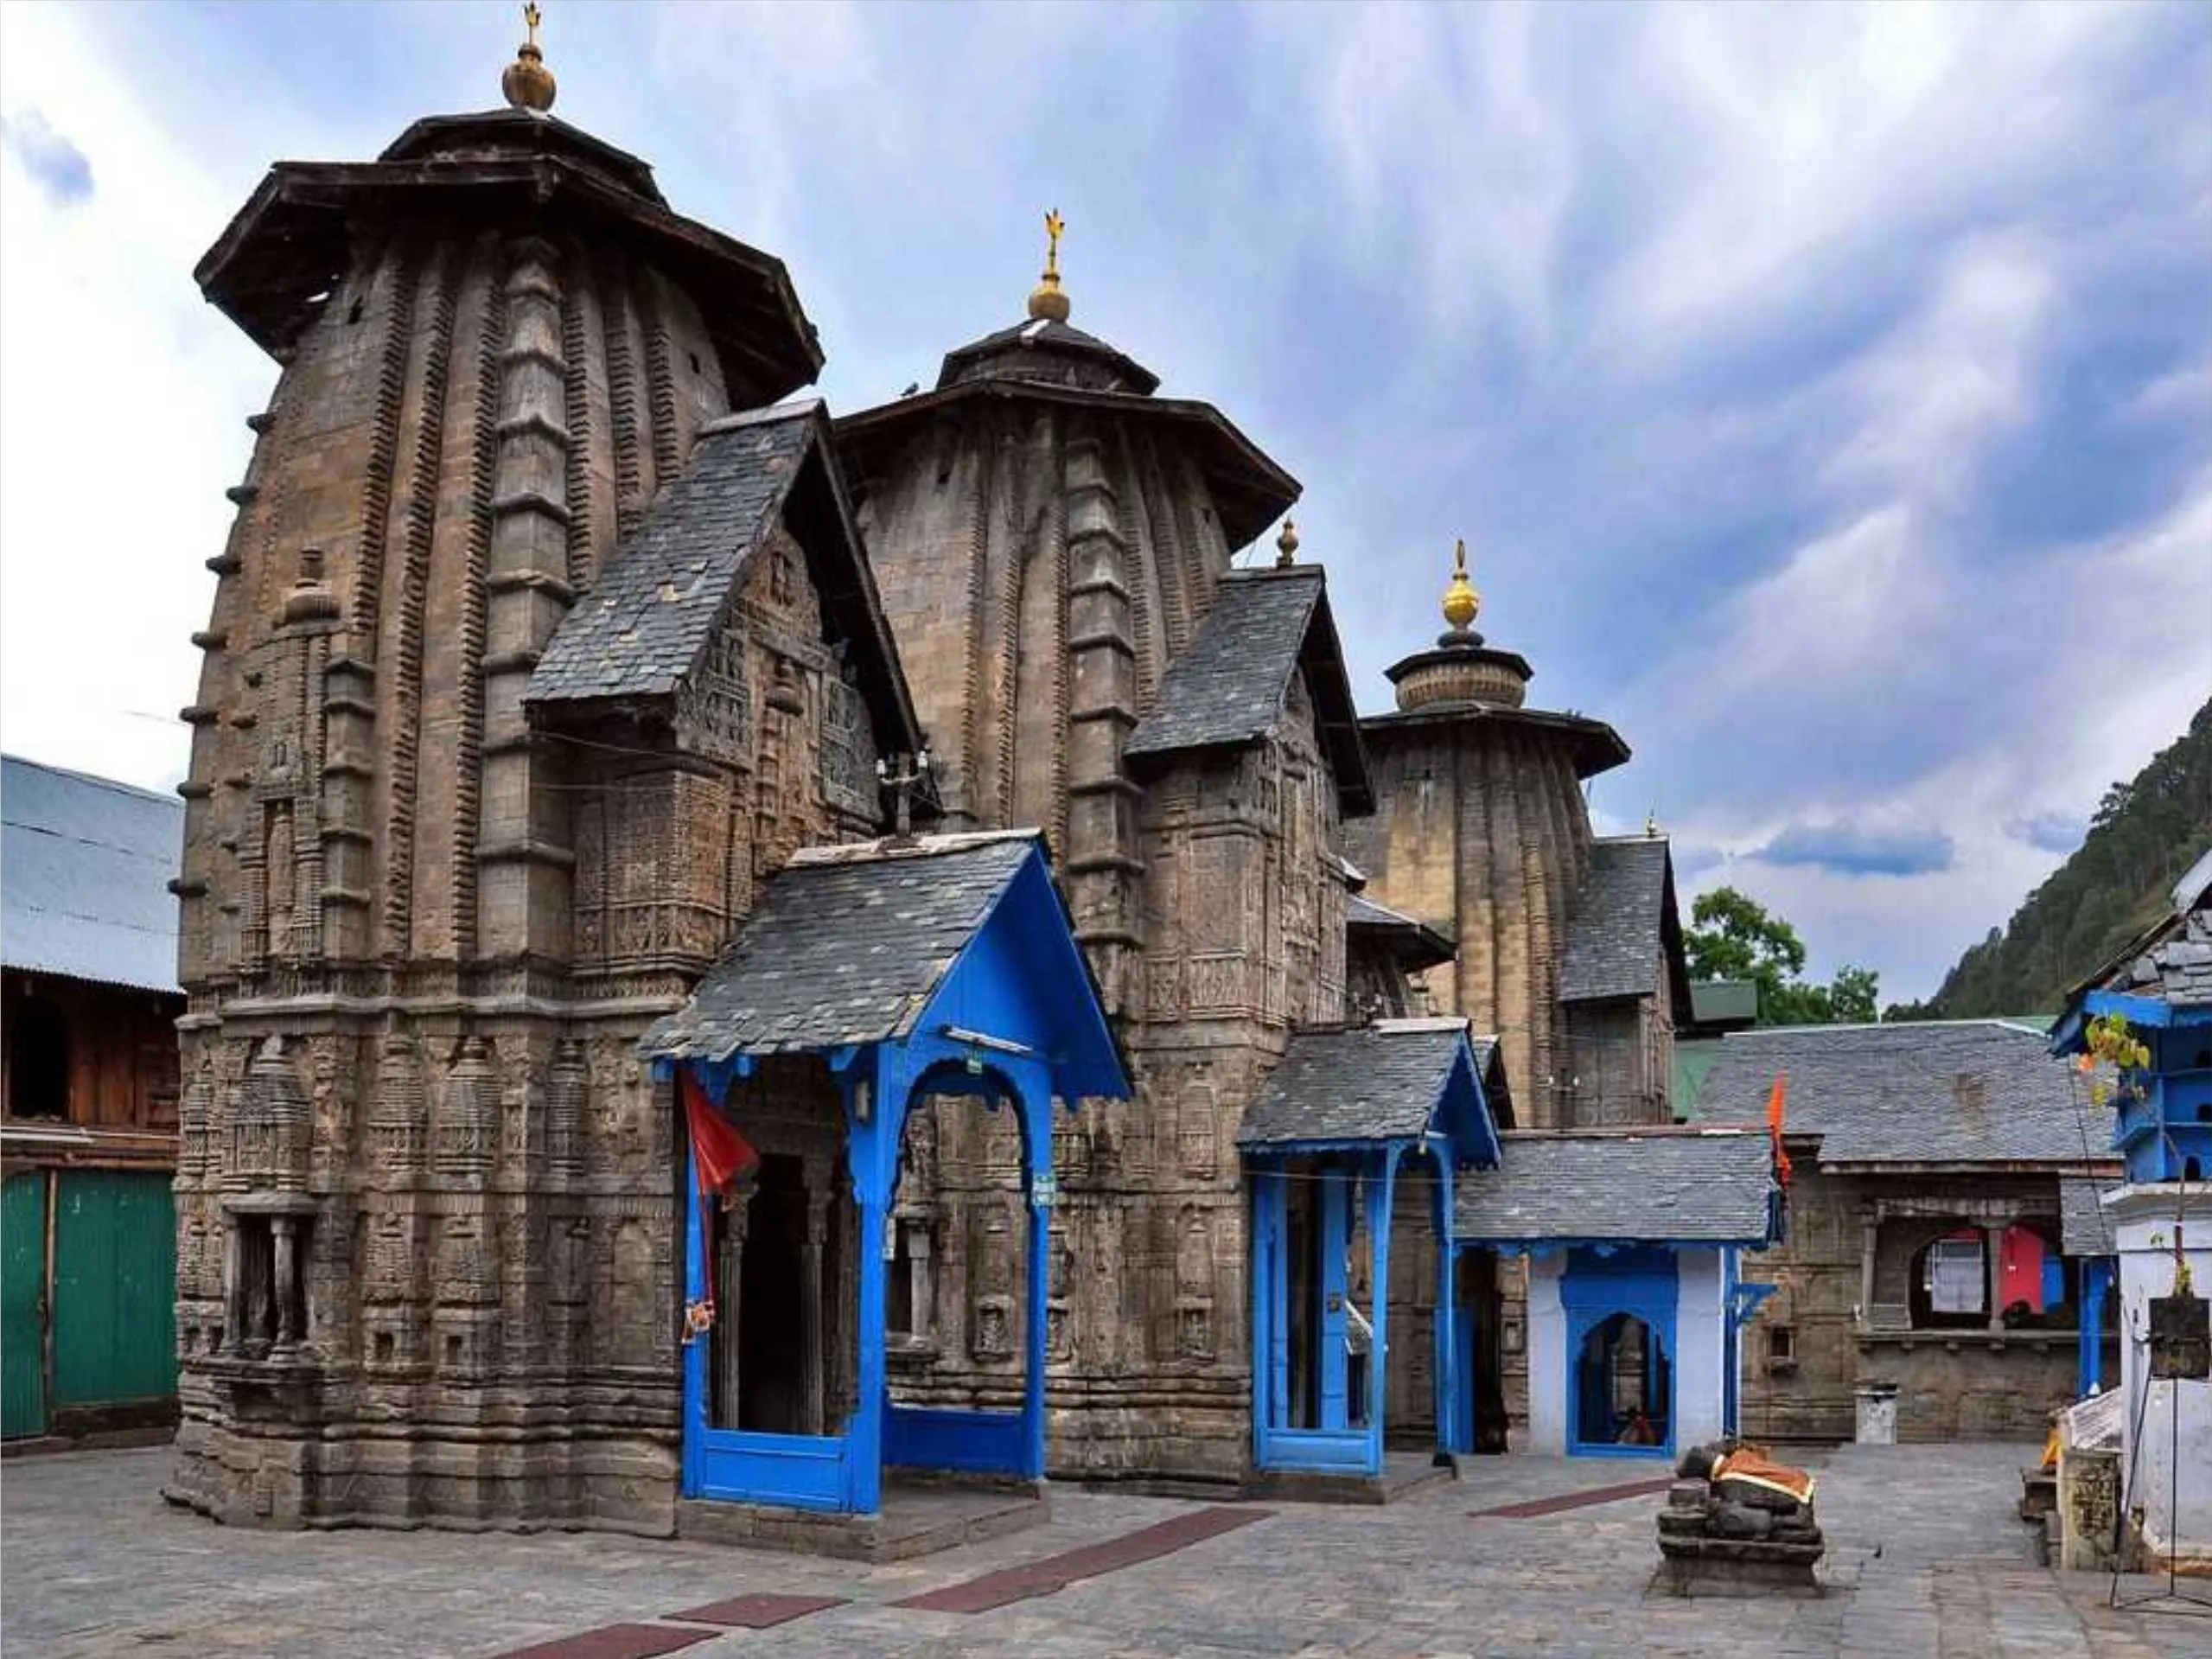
(22, 1304)
(114, 1288)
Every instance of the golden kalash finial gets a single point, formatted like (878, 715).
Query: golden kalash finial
(1047, 301)
(1286, 546)
(1461, 602)
(528, 84)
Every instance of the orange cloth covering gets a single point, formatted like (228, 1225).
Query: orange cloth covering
(1751, 1464)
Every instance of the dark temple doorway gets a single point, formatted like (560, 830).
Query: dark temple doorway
(771, 1321)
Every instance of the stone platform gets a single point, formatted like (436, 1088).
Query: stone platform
(1403, 1474)
(916, 1519)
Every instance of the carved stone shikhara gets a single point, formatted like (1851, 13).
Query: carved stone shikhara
(473, 800)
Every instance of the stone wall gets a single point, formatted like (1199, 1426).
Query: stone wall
(1955, 1383)
(428, 1257)
(1480, 830)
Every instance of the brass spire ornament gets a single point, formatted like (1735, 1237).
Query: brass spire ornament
(528, 84)
(1461, 602)
(1286, 546)
(1046, 303)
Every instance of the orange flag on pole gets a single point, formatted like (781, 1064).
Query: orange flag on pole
(724, 1156)
(1774, 1124)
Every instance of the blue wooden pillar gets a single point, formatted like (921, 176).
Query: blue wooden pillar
(875, 1085)
(695, 1268)
(1452, 1381)
(2096, 1285)
(1035, 1106)
(1379, 1192)
(1334, 1194)
(1271, 1338)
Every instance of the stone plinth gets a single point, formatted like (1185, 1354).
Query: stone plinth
(1723, 1537)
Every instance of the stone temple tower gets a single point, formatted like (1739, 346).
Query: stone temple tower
(1053, 545)
(1568, 944)
(424, 1194)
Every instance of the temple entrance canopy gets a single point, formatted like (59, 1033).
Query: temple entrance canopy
(1344, 1120)
(869, 979)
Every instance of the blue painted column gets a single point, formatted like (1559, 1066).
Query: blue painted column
(1036, 1109)
(1378, 1196)
(2096, 1285)
(1335, 1207)
(875, 1089)
(1271, 1347)
(1450, 1381)
(695, 1352)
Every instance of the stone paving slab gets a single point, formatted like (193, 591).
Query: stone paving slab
(1927, 1559)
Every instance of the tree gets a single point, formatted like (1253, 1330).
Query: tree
(1733, 937)
(1852, 994)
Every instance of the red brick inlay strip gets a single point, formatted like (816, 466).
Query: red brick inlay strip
(1537, 1506)
(1056, 1572)
(614, 1641)
(757, 1612)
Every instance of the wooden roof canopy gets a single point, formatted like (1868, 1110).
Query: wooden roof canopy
(291, 246)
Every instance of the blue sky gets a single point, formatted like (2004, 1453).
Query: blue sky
(1824, 392)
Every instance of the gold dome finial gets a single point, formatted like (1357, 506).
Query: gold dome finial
(1047, 301)
(1286, 546)
(1461, 602)
(528, 84)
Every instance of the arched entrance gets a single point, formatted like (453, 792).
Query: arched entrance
(867, 979)
(1621, 1306)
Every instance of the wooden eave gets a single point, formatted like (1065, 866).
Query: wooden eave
(1597, 747)
(290, 246)
(1250, 490)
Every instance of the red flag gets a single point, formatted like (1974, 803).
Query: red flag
(722, 1155)
(1774, 1124)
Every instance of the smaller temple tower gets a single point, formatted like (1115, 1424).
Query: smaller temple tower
(1569, 947)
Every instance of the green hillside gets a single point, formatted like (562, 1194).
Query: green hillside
(2144, 834)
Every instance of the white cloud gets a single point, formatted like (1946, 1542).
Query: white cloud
(120, 424)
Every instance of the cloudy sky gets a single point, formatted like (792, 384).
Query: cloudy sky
(1824, 392)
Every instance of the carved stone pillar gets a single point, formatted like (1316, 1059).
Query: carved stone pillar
(728, 1270)
(284, 1230)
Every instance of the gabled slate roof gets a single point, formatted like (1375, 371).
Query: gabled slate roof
(1412, 944)
(1652, 1186)
(1939, 1092)
(1617, 942)
(846, 946)
(1227, 686)
(2083, 1230)
(85, 868)
(1367, 1083)
(643, 626)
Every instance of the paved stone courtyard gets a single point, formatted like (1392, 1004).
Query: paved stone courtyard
(93, 1563)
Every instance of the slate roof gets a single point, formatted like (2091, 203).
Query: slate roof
(1650, 1185)
(2083, 1230)
(2178, 969)
(1414, 944)
(1043, 335)
(1616, 935)
(1227, 686)
(1367, 1083)
(1940, 1092)
(85, 868)
(641, 629)
(847, 944)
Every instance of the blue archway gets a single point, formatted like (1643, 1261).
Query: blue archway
(902, 970)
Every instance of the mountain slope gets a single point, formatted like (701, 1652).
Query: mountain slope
(2144, 834)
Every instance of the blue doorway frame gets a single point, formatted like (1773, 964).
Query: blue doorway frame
(1598, 1288)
